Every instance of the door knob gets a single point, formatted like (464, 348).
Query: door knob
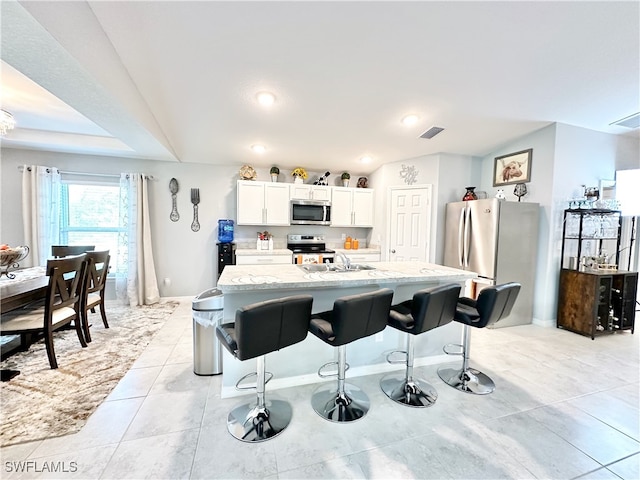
(393, 251)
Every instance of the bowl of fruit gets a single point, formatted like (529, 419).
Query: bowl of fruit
(9, 258)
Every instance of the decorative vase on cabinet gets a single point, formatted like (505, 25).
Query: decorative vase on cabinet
(470, 194)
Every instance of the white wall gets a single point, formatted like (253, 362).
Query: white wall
(448, 173)
(540, 190)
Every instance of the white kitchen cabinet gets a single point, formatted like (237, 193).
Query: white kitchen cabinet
(356, 257)
(351, 207)
(310, 192)
(262, 203)
(264, 259)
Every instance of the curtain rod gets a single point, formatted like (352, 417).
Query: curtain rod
(112, 175)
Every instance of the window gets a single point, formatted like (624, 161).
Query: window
(90, 213)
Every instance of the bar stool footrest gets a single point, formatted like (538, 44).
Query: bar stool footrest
(268, 378)
(447, 349)
(327, 375)
(404, 352)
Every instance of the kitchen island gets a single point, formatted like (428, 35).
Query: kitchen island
(298, 364)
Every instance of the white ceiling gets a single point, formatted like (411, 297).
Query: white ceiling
(176, 81)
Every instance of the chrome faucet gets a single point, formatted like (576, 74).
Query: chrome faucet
(345, 260)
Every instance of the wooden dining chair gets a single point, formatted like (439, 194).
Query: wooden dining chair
(93, 292)
(65, 250)
(59, 308)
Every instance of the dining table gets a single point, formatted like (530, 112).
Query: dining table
(23, 287)
(28, 284)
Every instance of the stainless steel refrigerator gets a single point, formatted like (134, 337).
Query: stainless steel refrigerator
(499, 241)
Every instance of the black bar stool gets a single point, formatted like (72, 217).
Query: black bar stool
(429, 309)
(493, 304)
(352, 318)
(261, 328)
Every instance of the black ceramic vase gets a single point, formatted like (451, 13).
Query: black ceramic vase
(470, 194)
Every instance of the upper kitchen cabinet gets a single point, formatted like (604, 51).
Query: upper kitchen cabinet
(352, 207)
(263, 203)
(310, 192)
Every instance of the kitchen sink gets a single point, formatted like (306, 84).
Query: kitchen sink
(315, 268)
(359, 266)
(331, 267)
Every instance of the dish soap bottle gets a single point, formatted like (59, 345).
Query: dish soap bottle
(347, 243)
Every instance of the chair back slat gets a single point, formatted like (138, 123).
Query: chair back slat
(66, 278)
(97, 270)
(66, 250)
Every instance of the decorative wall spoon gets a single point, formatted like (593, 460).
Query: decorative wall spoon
(173, 188)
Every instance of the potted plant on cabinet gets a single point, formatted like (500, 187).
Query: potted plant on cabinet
(275, 171)
(345, 179)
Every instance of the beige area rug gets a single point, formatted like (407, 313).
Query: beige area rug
(41, 403)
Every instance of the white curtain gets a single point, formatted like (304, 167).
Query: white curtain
(40, 211)
(136, 281)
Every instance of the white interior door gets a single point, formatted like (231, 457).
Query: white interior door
(409, 223)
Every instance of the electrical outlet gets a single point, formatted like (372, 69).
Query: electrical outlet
(379, 337)
(344, 236)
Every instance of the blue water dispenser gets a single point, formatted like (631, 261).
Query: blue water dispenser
(225, 231)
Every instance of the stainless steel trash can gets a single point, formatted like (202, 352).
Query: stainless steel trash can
(207, 314)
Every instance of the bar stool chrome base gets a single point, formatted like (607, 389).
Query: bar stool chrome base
(468, 381)
(413, 393)
(252, 423)
(348, 406)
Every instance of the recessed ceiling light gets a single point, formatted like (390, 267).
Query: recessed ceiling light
(410, 120)
(258, 149)
(365, 159)
(266, 99)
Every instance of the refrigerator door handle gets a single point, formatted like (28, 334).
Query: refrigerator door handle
(467, 236)
(461, 238)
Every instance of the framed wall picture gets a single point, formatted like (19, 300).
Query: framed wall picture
(512, 168)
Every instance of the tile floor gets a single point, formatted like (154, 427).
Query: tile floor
(565, 407)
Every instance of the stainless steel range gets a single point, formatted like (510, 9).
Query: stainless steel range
(309, 249)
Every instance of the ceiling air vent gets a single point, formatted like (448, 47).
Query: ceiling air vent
(432, 132)
(632, 121)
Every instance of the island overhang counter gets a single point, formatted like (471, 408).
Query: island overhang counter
(298, 364)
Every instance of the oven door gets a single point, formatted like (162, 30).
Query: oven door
(310, 212)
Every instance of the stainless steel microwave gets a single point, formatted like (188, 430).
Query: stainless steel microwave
(310, 212)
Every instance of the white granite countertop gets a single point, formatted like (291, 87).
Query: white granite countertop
(252, 252)
(238, 278)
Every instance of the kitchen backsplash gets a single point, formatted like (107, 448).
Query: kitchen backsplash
(245, 236)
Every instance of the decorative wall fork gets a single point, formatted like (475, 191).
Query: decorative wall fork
(195, 199)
